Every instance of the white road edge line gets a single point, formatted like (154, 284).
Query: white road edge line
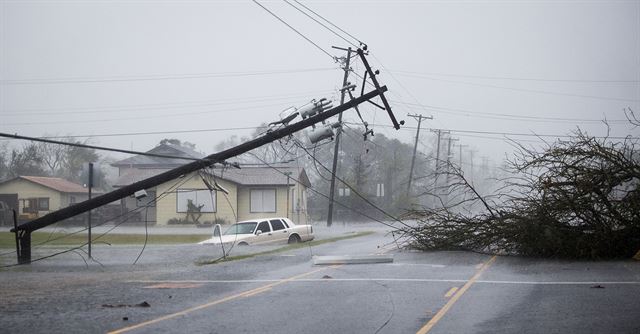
(425, 280)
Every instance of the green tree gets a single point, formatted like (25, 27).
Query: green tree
(178, 142)
(27, 161)
(74, 160)
(4, 161)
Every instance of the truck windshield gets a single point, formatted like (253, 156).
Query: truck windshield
(242, 228)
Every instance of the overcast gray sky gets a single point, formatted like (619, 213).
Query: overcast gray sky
(478, 67)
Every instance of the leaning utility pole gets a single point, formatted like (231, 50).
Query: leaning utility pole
(415, 148)
(23, 232)
(336, 147)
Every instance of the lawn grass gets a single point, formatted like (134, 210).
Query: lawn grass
(284, 249)
(8, 239)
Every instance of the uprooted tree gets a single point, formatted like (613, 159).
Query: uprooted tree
(575, 198)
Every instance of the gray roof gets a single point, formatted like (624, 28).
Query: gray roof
(133, 175)
(246, 176)
(264, 175)
(163, 149)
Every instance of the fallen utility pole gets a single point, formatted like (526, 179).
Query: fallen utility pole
(23, 232)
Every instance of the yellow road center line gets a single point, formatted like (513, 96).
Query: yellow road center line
(257, 292)
(429, 325)
(451, 292)
(215, 302)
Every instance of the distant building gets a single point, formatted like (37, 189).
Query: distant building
(35, 196)
(228, 194)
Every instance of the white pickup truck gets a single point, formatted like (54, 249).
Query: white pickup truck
(261, 231)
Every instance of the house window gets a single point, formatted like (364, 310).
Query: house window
(201, 198)
(29, 205)
(43, 204)
(263, 200)
(72, 199)
(344, 192)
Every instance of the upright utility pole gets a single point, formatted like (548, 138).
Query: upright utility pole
(89, 186)
(437, 167)
(485, 166)
(336, 147)
(471, 162)
(288, 174)
(450, 140)
(415, 148)
(460, 156)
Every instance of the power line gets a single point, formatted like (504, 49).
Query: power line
(71, 80)
(158, 132)
(101, 148)
(427, 74)
(320, 23)
(536, 135)
(145, 117)
(536, 91)
(506, 133)
(155, 106)
(498, 138)
(472, 113)
(335, 26)
(294, 29)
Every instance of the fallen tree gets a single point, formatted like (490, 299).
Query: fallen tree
(575, 198)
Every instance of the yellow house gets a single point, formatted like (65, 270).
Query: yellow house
(35, 196)
(213, 195)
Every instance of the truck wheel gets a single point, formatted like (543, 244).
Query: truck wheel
(294, 239)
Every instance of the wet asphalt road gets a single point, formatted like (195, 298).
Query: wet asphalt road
(434, 292)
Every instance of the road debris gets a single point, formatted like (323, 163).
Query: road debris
(143, 304)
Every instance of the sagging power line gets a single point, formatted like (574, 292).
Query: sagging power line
(294, 29)
(71, 80)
